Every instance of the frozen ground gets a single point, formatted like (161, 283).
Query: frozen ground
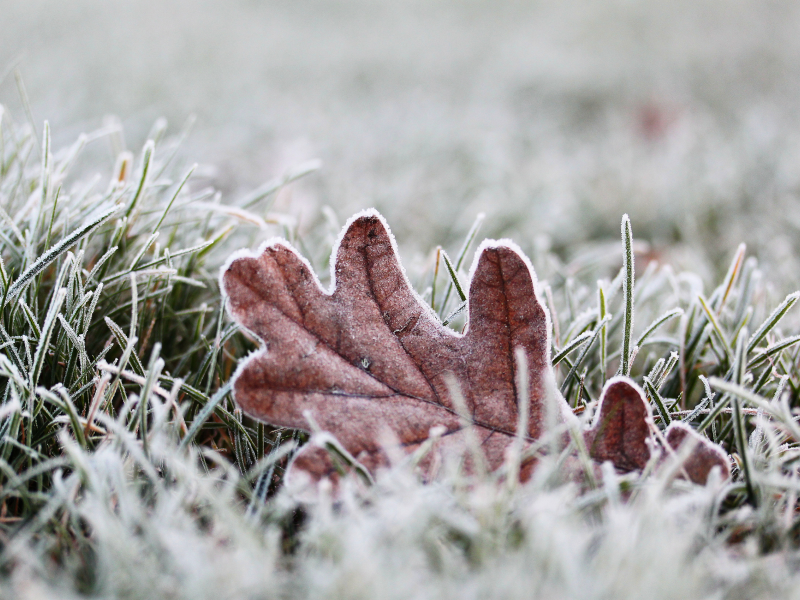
(554, 117)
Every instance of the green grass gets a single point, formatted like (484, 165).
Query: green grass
(127, 472)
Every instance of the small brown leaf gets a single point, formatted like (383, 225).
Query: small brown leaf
(620, 432)
(705, 455)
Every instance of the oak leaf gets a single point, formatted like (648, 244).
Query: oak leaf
(370, 355)
(622, 434)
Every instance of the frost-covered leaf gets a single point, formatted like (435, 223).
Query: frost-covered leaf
(620, 431)
(369, 356)
(704, 456)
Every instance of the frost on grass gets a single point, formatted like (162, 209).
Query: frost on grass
(128, 472)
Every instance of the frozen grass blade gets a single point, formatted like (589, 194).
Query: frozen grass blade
(668, 366)
(523, 414)
(592, 336)
(57, 250)
(731, 276)
(174, 197)
(653, 327)
(153, 372)
(773, 350)
(717, 329)
(44, 341)
(658, 400)
(744, 450)
(457, 311)
(435, 276)
(125, 342)
(467, 426)
(30, 318)
(627, 295)
(453, 280)
(205, 413)
(97, 400)
(341, 458)
(462, 254)
(748, 282)
(707, 399)
(772, 320)
(132, 332)
(602, 313)
(572, 346)
(147, 159)
(100, 262)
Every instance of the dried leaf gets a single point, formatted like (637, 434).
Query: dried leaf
(704, 457)
(620, 432)
(370, 356)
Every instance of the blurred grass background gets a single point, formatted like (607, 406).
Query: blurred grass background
(553, 117)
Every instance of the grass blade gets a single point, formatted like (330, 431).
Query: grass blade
(715, 324)
(205, 413)
(473, 231)
(670, 314)
(147, 159)
(57, 250)
(454, 279)
(772, 320)
(627, 295)
(658, 400)
(572, 346)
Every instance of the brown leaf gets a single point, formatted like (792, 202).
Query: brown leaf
(704, 456)
(370, 355)
(620, 432)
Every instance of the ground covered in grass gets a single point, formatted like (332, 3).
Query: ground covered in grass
(126, 471)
